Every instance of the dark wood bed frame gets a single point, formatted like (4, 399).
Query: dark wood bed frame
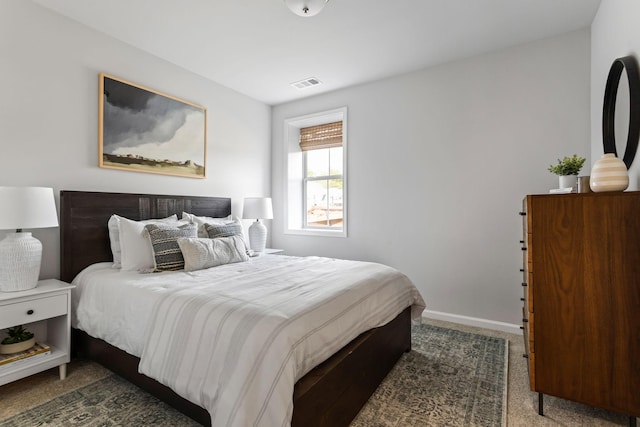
(331, 394)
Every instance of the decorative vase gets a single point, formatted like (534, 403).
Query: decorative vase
(17, 347)
(568, 181)
(609, 173)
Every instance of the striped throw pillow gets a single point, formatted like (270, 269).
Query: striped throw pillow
(224, 230)
(164, 242)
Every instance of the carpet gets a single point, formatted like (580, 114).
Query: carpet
(449, 378)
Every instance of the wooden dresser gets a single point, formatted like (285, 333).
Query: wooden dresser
(581, 311)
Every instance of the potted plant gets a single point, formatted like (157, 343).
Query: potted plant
(19, 339)
(567, 170)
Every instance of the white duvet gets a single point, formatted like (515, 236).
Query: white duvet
(234, 339)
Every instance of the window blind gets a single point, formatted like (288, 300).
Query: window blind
(328, 135)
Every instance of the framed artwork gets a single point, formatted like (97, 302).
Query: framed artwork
(143, 130)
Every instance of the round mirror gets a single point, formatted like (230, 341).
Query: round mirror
(626, 98)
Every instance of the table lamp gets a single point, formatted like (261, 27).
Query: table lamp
(21, 253)
(257, 208)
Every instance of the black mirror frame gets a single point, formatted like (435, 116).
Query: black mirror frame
(630, 64)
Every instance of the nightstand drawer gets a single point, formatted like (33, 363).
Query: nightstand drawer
(24, 312)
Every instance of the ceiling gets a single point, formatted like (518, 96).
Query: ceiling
(259, 47)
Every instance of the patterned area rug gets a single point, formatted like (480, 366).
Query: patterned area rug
(450, 378)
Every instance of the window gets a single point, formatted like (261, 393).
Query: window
(323, 183)
(316, 185)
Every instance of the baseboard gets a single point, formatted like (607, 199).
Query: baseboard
(473, 321)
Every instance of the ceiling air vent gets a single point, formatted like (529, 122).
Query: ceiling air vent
(306, 83)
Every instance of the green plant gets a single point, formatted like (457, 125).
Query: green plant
(568, 166)
(17, 334)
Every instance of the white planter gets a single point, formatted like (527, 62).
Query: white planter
(17, 347)
(568, 181)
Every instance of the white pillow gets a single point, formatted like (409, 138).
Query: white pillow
(135, 246)
(202, 220)
(114, 234)
(204, 253)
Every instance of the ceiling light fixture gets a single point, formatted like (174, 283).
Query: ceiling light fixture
(306, 7)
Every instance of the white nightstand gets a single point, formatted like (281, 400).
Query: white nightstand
(45, 311)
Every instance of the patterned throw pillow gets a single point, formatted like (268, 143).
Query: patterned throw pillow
(164, 242)
(224, 230)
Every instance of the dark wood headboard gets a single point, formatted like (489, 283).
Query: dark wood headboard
(84, 237)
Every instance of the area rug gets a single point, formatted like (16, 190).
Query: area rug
(449, 378)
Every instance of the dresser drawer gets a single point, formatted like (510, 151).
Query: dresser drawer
(33, 310)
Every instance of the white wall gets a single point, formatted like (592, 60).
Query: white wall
(439, 161)
(614, 33)
(49, 116)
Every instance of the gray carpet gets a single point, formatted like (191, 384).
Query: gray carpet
(450, 378)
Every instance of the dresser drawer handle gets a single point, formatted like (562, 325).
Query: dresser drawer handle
(521, 299)
(523, 248)
(524, 283)
(522, 270)
(30, 312)
(525, 320)
(523, 213)
(526, 356)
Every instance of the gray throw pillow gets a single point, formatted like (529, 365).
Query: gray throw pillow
(164, 242)
(223, 230)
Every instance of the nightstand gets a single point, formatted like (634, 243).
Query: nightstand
(45, 311)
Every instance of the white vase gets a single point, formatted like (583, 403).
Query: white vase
(609, 173)
(568, 181)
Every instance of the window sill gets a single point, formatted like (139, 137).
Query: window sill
(322, 233)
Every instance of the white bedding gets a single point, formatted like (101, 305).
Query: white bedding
(234, 339)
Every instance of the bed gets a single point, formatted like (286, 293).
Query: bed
(330, 394)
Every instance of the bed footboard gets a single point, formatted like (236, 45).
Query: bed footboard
(331, 394)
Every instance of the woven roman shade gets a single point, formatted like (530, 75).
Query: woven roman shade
(328, 135)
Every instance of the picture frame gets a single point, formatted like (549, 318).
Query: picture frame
(143, 130)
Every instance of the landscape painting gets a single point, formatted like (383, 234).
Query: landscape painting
(146, 131)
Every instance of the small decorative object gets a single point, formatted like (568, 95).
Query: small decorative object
(20, 253)
(257, 207)
(19, 339)
(609, 173)
(583, 184)
(567, 170)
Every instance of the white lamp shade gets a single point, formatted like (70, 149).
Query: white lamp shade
(27, 207)
(306, 7)
(257, 208)
(20, 252)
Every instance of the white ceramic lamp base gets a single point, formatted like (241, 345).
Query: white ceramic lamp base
(257, 236)
(20, 257)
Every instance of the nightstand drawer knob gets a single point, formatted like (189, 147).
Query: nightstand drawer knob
(30, 312)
